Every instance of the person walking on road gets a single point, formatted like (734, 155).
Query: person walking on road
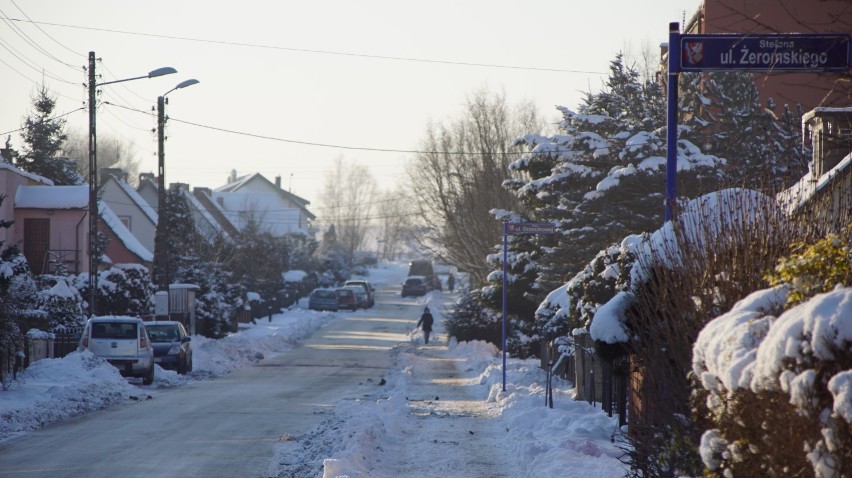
(425, 323)
(451, 282)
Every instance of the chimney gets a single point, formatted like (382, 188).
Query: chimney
(200, 191)
(107, 172)
(830, 132)
(144, 176)
(233, 177)
(278, 182)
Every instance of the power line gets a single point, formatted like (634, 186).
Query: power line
(26, 38)
(310, 143)
(45, 33)
(314, 51)
(49, 119)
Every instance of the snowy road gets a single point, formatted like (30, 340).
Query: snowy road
(225, 427)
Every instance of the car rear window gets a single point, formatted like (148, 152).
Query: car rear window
(324, 294)
(163, 333)
(114, 330)
(413, 282)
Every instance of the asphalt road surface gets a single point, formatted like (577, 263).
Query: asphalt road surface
(229, 426)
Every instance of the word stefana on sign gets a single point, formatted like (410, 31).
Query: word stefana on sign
(779, 52)
(530, 228)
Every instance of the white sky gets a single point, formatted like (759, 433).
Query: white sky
(283, 91)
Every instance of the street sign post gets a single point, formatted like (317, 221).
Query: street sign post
(517, 228)
(785, 52)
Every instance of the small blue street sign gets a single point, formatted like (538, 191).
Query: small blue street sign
(776, 52)
(530, 228)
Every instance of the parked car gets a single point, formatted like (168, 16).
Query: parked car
(346, 298)
(323, 299)
(422, 268)
(122, 341)
(368, 287)
(171, 345)
(360, 296)
(415, 286)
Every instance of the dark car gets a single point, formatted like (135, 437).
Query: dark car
(346, 298)
(360, 295)
(367, 286)
(171, 345)
(323, 299)
(415, 286)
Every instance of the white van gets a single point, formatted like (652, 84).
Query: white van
(123, 342)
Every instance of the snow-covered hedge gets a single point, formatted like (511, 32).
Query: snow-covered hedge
(777, 391)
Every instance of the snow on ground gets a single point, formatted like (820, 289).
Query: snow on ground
(441, 413)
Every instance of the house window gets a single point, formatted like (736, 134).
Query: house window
(126, 221)
(36, 243)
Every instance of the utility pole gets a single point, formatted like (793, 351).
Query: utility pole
(163, 215)
(93, 190)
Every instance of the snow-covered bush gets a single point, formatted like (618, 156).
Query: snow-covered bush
(469, 319)
(59, 303)
(125, 289)
(776, 392)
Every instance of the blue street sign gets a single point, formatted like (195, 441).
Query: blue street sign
(530, 228)
(783, 52)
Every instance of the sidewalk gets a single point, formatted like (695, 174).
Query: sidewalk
(441, 412)
(448, 403)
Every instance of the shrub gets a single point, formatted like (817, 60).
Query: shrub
(469, 319)
(816, 268)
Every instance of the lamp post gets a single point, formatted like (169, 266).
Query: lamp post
(93, 170)
(161, 246)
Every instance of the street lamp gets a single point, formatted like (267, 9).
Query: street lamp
(93, 170)
(161, 247)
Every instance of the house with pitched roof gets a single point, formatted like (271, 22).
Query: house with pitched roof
(50, 224)
(253, 197)
(137, 215)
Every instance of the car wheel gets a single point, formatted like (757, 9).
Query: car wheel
(149, 379)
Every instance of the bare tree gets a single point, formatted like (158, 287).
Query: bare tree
(112, 153)
(393, 225)
(457, 179)
(348, 201)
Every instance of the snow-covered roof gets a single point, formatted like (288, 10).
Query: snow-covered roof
(124, 235)
(294, 275)
(137, 198)
(20, 172)
(798, 194)
(238, 183)
(195, 203)
(52, 197)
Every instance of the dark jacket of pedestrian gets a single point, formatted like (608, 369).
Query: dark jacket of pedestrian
(426, 321)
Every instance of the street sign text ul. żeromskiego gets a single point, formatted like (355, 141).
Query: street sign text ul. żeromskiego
(530, 228)
(775, 53)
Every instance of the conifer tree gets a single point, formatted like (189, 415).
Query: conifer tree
(43, 138)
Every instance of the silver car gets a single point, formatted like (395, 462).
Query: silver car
(122, 341)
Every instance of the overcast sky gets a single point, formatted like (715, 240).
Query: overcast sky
(360, 74)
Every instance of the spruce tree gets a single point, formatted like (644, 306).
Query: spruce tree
(43, 138)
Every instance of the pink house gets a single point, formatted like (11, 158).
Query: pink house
(51, 227)
(51, 224)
